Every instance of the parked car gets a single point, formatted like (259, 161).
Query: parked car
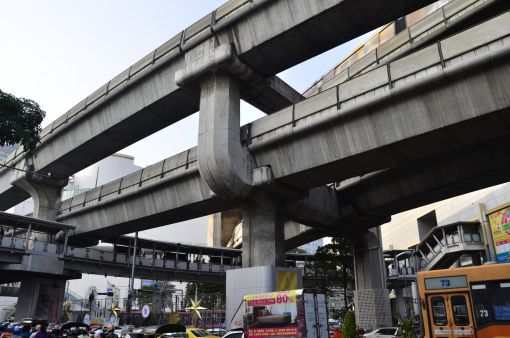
(145, 331)
(217, 331)
(195, 332)
(234, 333)
(7, 330)
(72, 329)
(171, 331)
(383, 332)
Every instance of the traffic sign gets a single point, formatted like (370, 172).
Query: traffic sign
(145, 311)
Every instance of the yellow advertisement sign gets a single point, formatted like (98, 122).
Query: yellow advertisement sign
(287, 280)
(500, 227)
(271, 298)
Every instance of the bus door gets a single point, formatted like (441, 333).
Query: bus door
(450, 315)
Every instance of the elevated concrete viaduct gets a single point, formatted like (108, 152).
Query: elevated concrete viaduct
(447, 111)
(268, 36)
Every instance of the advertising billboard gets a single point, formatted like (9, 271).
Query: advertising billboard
(147, 282)
(291, 313)
(500, 228)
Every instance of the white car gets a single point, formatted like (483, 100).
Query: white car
(383, 332)
(234, 333)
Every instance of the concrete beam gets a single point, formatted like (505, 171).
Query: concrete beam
(46, 193)
(174, 200)
(320, 208)
(9, 291)
(429, 180)
(271, 95)
(393, 115)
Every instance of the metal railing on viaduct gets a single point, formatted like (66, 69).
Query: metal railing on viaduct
(153, 259)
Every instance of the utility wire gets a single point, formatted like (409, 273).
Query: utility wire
(25, 171)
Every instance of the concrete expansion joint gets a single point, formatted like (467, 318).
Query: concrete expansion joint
(26, 171)
(223, 58)
(55, 182)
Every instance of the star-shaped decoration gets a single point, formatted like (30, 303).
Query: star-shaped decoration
(195, 307)
(114, 310)
(66, 312)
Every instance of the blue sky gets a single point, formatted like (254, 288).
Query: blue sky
(57, 52)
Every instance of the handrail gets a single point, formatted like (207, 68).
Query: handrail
(362, 58)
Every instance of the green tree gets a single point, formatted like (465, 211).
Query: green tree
(333, 266)
(20, 121)
(162, 289)
(349, 327)
(298, 251)
(405, 326)
(212, 295)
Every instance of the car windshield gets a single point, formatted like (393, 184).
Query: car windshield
(200, 333)
(174, 335)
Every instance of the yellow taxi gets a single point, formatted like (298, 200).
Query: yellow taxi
(194, 332)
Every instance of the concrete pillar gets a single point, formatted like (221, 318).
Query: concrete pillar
(223, 163)
(214, 229)
(371, 297)
(263, 232)
(221, 226)
(46, 194)
(41, 299)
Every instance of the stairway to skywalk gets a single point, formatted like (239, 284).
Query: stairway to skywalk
(444, 245)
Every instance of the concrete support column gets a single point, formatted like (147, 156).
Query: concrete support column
(263, 232)
(223, 163)
(46, 194)
(371, 298)
(41, 299)
(214, 229)
(221, 226)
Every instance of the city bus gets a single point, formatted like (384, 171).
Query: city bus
(466, 302)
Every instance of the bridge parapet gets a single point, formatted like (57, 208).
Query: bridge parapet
(172, 168)
(385, 45)
(350, 101)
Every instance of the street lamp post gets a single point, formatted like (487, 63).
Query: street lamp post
(131, 281)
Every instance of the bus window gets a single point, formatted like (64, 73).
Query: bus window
(439, 311)
(491, 301)
(460, 311)
(502, 301)
(481, 303)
